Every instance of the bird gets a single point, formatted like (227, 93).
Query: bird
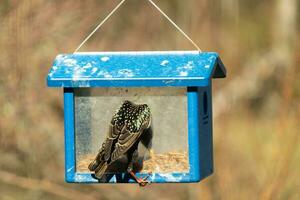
(130, 126)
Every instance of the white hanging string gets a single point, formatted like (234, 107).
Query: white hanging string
(175, 25)
(101, 23)
(163, 13)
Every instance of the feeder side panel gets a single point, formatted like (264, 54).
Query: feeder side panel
(193, 134)
(69, 135)
(205, 133)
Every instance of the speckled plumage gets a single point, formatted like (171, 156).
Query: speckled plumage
(132, 115)
(128, 125)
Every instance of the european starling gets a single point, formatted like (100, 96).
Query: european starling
(130, 125)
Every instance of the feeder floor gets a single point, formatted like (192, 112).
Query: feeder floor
(158, 163)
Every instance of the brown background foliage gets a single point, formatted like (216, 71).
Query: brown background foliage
(257, 110)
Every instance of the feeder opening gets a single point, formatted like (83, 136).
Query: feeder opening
(168, 150)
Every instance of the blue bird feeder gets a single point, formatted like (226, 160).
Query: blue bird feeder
(176, 86)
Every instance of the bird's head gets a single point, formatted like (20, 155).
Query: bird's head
(133, 115)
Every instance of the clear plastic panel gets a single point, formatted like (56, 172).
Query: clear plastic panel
(94, 109)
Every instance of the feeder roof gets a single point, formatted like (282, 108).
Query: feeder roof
(135, 69)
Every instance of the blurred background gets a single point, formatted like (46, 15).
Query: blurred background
(256, 108)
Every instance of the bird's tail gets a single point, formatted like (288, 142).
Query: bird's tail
(100, 170)
(99, 167)
(93, 165)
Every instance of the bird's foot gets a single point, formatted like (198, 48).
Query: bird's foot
(141, 181)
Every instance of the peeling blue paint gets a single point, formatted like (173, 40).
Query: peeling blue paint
(105, 69)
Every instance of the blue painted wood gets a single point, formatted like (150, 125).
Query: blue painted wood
(135, 69)
(205, 120)
(154, 178)
(70, 166)
(193, 134)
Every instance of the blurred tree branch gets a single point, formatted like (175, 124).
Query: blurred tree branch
(44, 185)
(263, 75)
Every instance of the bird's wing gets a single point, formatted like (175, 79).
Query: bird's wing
(106, 148)
(125, 141)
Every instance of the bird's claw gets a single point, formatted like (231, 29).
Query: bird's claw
(143, 182)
